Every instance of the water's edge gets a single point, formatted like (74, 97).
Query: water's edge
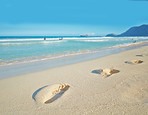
(25, 68)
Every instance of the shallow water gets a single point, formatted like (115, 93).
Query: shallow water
(15, 69)
(35, 48)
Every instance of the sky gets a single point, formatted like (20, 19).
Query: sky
(70, 17)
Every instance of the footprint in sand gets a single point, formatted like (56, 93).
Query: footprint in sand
(106, 72)
(134, 62)
(48, 94)
(140, 55)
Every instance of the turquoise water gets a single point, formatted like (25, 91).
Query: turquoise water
(22, 48)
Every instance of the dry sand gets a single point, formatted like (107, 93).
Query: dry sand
(122, 93)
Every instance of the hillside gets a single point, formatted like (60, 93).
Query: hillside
(133, 31)
(136, 31)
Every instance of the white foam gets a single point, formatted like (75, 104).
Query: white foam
(35, 39)
(25, 43)
(48, 42)
(93, 40)
(7, 40)
(127, 44)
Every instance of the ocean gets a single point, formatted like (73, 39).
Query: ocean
(22, 49)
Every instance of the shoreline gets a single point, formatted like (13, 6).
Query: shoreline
(40, 65)
(125, 92)
(49, 57)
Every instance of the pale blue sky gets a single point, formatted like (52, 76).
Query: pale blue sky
(70, 17)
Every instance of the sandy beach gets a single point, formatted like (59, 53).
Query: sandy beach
(89, 93)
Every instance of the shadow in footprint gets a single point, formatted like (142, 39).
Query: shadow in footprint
(57, 96)
(34, 94)
(115, 71)
(97, 71)
(128, 62)
(140, 55)
(105, 72)
(134, 62)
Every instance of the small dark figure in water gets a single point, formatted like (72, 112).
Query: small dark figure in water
(44, 38)
(61, 38)
(134, 41)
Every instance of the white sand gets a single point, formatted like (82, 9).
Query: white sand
(125, 92)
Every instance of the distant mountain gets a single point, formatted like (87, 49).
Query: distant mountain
(136, 31)
(111, 35)
(133, 31)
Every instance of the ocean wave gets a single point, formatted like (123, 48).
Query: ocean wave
(128, 44)
(27, 43)
(36, 39)
(39, 58)
(41, 39)
(92, 40)
(9, 40)
(48, 42)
